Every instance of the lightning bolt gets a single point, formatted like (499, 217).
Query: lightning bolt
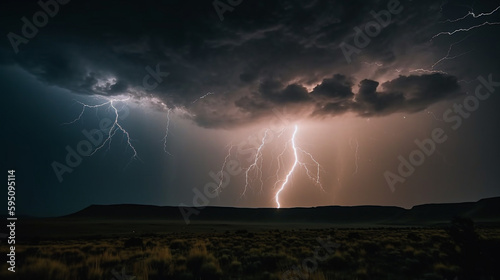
(296, 163)
(291, 170)
(114, 128)
(255, 172)
(167, 127)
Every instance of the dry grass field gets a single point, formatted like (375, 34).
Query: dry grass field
(459, 252)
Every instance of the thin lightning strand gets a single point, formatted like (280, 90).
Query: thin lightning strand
(255, 165)
(280, 163)
(279, 158)
(219, 187)
(450, 33)
(280, 133)
(355, 155)
(427, 71)
(167, 127)
(318, 169)
(84, 107)
(291, 170)
(448, 57)
(202, 97)
(464, 29)
(471, 13)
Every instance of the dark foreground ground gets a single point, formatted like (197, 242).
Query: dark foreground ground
(60, 249)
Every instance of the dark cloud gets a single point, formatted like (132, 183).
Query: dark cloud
(264, 55)
(370, 102)
(335, 95)
(277, 93)
(338, 87)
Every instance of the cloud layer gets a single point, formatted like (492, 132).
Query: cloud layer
(264, 55)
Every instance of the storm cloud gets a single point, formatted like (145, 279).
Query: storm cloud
(264, 55)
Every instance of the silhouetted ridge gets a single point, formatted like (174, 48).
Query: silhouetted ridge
(483, 210)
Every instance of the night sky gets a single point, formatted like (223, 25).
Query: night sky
(331, 102)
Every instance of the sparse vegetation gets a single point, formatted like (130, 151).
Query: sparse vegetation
(391, 253)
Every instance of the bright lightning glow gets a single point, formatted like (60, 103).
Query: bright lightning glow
(277, 197)
(255, 172)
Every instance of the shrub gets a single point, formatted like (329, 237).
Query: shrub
(133, 242)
